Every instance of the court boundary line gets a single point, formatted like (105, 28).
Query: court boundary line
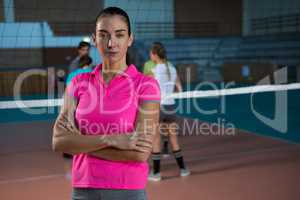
(29, 179)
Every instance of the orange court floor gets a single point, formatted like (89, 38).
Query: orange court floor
(244, 166)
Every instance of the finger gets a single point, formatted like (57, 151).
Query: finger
(74, 130)
(77, 131)
(64, 118)
(66, 126)
(132, 136)
(144, 144)
(62, 124)
(142, 134)
(132, 139)
(148, 140)
(70, 127)
(142, 149)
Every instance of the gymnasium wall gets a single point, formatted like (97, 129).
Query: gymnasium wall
(149, 19)
(1, 12)
(68, 17)
(298, 73)
(35, 57)
(32, 85)
(257, 72)
(234, 72)
(23, 57)
(209, 17)
(261, 17)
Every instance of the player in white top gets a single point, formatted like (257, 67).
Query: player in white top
(166, 75)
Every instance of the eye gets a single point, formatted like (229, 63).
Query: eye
(120, 35)
(102, 35)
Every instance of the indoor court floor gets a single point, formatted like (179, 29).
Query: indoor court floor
(243, 166)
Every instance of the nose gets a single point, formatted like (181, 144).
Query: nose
(111, 42)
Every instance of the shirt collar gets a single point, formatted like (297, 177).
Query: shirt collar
(130, 71)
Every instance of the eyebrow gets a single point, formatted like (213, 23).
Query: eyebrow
(119, 30)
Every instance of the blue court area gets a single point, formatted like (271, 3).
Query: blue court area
(25, 115)
(237, 111)
(229, 111)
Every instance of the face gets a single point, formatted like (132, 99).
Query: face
(83, 51)
(153, 57)
(112, 39)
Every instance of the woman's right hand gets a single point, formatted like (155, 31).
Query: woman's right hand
(123, 141)
(130, 142)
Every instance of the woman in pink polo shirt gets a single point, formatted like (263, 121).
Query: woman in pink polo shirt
(109, 118)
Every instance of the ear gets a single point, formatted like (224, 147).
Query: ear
(130, 40)
(94, 39)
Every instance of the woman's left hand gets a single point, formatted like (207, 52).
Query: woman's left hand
(144, 142)
(68, 125)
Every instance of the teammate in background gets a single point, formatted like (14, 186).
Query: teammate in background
(83, 49)
(148, 70)
(148, 67)
(84, 67)
(166, 75)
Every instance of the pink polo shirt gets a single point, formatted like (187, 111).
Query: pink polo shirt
(110, 109)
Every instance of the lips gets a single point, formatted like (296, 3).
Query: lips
(112, 53)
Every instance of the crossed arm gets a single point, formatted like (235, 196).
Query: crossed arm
(132, 147)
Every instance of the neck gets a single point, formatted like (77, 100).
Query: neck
(159, 61)
(109, 70)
